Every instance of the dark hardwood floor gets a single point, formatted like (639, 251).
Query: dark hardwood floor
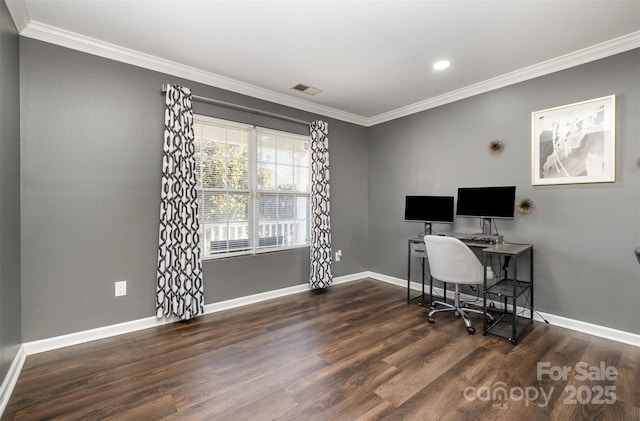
(354, 352)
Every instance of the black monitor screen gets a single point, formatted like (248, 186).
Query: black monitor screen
(429, 209)
(486, 202)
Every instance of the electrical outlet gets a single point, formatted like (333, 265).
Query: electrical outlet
(338, 255)
(121, 288)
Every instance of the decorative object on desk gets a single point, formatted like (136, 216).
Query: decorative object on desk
(525, 205)
(495, 147)
(574, 143)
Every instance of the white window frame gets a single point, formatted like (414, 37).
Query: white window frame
(254, 210)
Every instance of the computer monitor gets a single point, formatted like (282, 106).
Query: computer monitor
(429, 209)
(487, 203)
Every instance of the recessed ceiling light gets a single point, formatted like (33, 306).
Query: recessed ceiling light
(441, 65)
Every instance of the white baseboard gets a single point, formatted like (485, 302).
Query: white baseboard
(263, 296)
(252, 299)
(11, 378)
(353, 277)
(56, 342)
(62, 341)
(48, 344)
(577, 325)
(591, 329)
(148, 322)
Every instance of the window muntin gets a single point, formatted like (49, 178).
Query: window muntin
(253, 188)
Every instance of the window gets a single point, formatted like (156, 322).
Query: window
(253, 188)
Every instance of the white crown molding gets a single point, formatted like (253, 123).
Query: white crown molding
(54, 35)
(595, 52)
(74, 41)
(19, 14)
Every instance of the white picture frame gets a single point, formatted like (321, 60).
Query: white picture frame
(574, 143)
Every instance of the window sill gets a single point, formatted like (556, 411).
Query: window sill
(263, 250)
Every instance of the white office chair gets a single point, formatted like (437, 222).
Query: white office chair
(451, 261)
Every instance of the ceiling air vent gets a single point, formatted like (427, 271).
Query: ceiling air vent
(309, 90)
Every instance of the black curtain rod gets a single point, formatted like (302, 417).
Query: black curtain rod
(242, 108)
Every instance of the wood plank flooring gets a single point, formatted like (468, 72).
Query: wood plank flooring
(354, 352)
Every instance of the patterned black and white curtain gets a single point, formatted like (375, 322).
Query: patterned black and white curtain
(320, 253)
(180, 288)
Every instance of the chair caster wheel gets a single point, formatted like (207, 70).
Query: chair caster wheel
(490, 322)
(430, 319)
(471, 330)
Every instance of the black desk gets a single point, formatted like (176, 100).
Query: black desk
(508, 288)
(417, 249)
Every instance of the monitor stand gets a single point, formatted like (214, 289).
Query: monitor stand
(486, 225)
(427, 230)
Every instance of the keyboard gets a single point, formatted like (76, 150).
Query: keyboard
(483, 240)
(476, 239)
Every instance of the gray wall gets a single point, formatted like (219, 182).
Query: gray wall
(91, 166)
(10, 333)
(91, 155)
(584, 235)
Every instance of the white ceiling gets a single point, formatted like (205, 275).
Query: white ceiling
(371, 59)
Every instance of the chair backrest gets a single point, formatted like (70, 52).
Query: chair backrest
(450, 260)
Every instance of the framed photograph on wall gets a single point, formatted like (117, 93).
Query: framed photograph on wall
(574, 143)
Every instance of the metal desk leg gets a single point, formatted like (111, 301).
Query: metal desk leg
(422, 260)
(531, 278)
(515, 302)
(409, 272)
(430, 292)
(484, 299)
